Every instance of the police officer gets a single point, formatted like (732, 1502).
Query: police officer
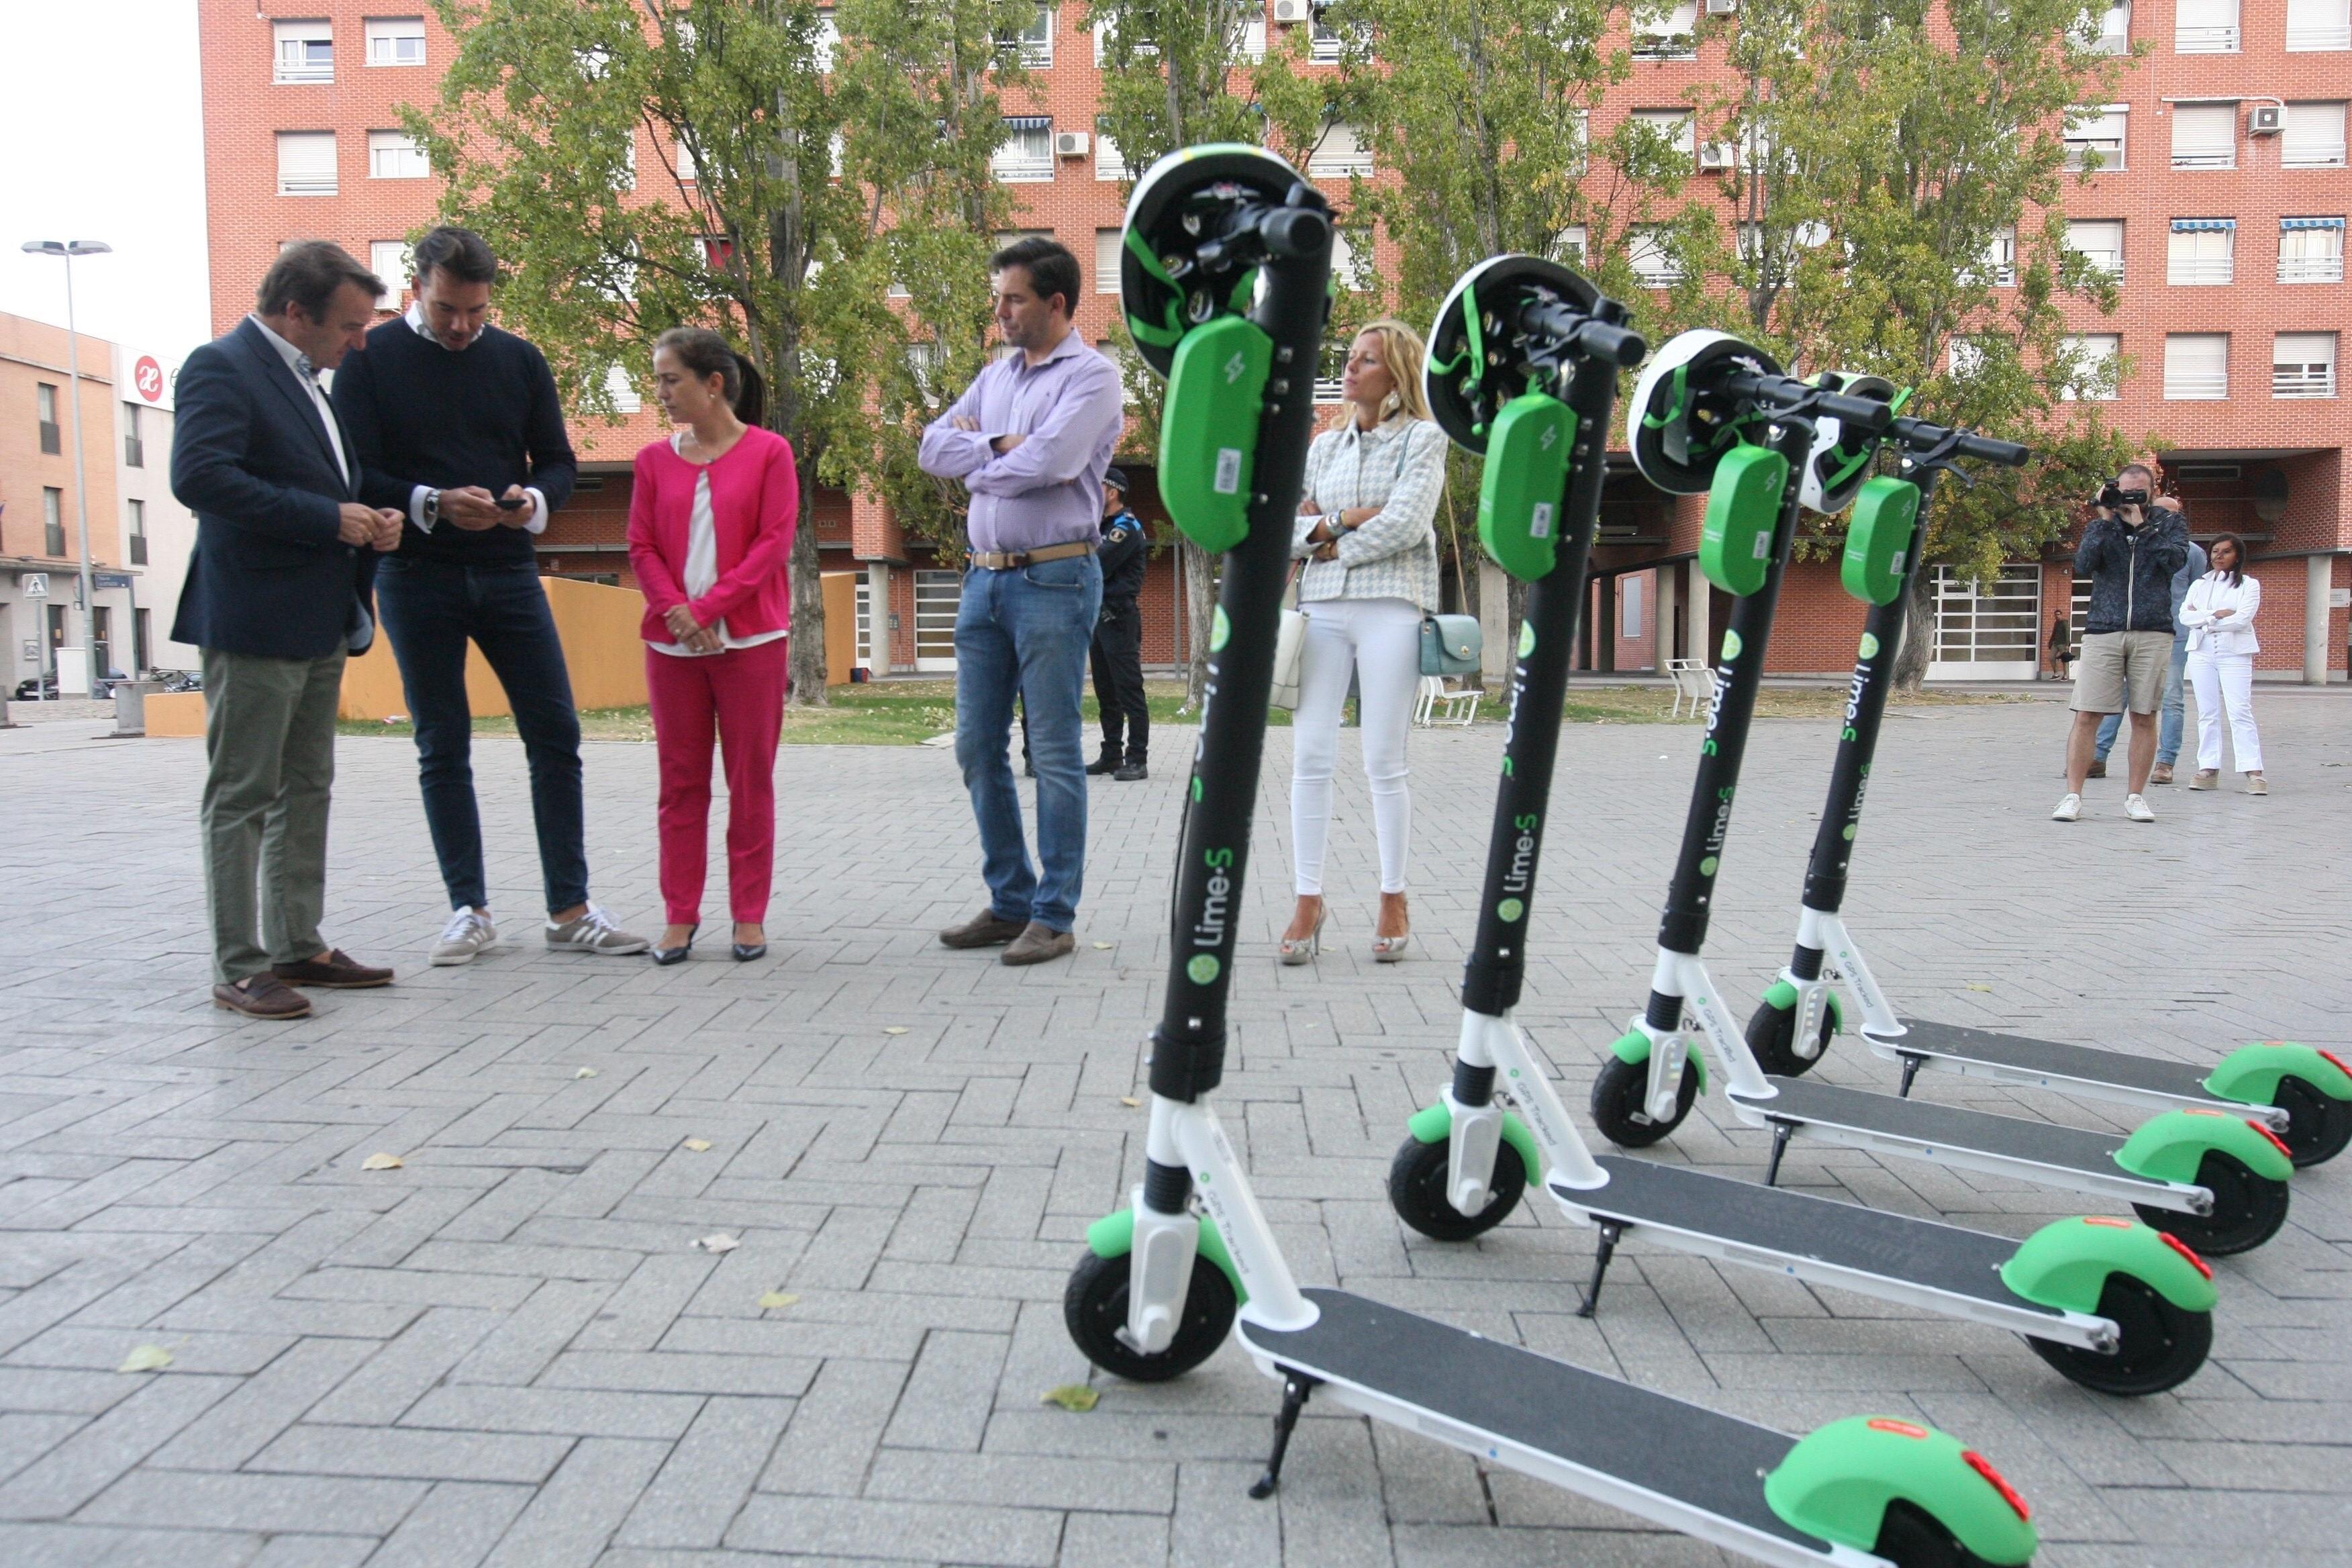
(1117, 653)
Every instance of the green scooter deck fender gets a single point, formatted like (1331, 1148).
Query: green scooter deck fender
(1632, 1049)
(1837, 1481)
(2170, 1147)
(2065, 1265)
(1782, 997)
(2250, 1075)
(1435, 1123)
(1113, 1235)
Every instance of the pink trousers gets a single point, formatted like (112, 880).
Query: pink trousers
(738, 699)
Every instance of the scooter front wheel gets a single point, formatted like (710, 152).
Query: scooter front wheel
(1094, 1308)
(1620, 1102)
(2318, 1126)
(1910, 1537)
(1418, 1179)
(2162, 1345)
(1772, 1036)
(2248, 1209)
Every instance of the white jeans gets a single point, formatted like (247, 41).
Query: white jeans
(2225, 680)
(1379, 641)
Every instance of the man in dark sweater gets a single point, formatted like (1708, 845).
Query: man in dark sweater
(1117, 653)
(458, 427)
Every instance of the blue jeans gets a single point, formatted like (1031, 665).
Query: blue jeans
(2167, 734)
(1026, 632)
(430, 609)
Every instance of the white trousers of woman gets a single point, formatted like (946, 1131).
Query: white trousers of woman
(2225, 681)
(1378, 641)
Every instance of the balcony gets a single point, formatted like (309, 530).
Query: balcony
(2196, 386)
(2302, 381)
(2311, 269)
(53, 439)
(134, 452)
(2200, 270)
(2205, 41)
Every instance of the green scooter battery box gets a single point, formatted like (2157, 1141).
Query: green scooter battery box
(1743, 509)
(1208, 431)
(1520, 500)
(1878, 541)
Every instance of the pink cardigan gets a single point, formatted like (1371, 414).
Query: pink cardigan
(755, 499)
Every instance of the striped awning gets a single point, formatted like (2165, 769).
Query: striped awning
(2311, 223)
(2203, 225)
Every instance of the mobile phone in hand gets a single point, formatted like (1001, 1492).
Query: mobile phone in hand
(513, 504)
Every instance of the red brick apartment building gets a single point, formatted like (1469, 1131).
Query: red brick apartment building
(2220, 203)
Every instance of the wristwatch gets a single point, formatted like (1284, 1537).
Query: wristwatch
(432, 509)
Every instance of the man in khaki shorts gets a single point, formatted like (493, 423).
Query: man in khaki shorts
(2129, 550)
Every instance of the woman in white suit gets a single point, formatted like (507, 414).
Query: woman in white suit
(2220, 614)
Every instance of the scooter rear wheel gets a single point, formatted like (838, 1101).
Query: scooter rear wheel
(1910, 1537)
(1620, 1094)
(1094, 1308)
(2247, 1209)
(2318, 1126)
(2162, 1345)
(1772, 1036)
(1417, 1190)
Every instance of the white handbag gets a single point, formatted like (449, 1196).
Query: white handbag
(1289, 648)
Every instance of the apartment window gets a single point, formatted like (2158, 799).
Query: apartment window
(2001, 258)
(2196, 366)
(142, 639)
(135, 533)
(45, 409)
(2314, 137)
(1677, 127)
(2204, 136)
(305, 162)
(2205, 27)
(389, 259)
(2303, 364)
(2201, 250)
(1110, 163)
(1330, 368)
(622, 391)
(2091, 368)
(1342, 153)
(1344, 264)
(2318, 24)
(1653, 263)
(687, 170)
(306, 51)
(1570, 245)
(53, 522)
(1968, 358)
(1325, 43)
(2100, 242)
(2095, 136)
(2113, 24)
(2310, 250)
(1254, 38)
(134, 442)
(1666, 31)
(828, 38)
(1027, 153)
(394, 155)
(1034, 42)
(395, 40)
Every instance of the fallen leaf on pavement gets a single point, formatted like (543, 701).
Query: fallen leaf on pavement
(895, 1029)
(1102, 947)
(585, 1072)
(719, 1241)
(382, 1163)
(1129, 1102)
(146, 1358)
(1074, 1397)
(774, 1299)
(698, 1145)
(1978, 985)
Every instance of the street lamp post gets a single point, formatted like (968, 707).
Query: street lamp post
(67, 250)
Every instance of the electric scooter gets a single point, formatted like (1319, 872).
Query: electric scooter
(1163, 1280)
(2216, 1182)
(2301, 1094)
(2114, 1305)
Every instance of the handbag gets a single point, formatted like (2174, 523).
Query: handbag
(1451, 644)
(1289, 651)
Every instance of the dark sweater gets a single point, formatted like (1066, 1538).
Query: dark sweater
(419, 415)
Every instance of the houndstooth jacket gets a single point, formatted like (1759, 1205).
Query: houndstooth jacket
(1398, 466)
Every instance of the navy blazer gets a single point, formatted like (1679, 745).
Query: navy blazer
(250, 456)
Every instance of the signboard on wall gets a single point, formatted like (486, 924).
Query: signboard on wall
(144, 380)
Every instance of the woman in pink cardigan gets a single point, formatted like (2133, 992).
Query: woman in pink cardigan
(710, 530)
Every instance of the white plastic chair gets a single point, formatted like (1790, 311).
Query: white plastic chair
(1694, 683)
(1461, 707)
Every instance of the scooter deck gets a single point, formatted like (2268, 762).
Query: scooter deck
(1477, 1394)
(1915, 1255)
(2051, 1064)
(1933, 1131)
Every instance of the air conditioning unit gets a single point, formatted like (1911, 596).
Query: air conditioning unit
(2267, 119)
(1717, 155)
(1070, 143)
(1721, 7)
(1288, 13)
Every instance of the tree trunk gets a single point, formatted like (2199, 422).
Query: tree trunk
(1918, 632)
(806, 654)
(1200, 587)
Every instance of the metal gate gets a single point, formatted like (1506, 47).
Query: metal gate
(1988, 630)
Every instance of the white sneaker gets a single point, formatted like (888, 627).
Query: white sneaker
(466, 934)
(2135, 806)
(593, 931)
(2070, 809)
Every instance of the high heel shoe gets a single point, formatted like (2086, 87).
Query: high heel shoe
(1391, 949)
(666, 956)
(1303, 950)
(745, 952)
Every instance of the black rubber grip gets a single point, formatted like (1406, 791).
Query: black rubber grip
(1295, 231)
(1865, 413)
(1920, 436)
(1617, 345)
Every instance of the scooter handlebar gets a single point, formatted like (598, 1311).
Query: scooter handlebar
(1865, 414)
(1920, 436)
(1295, 231)
(1618, 345)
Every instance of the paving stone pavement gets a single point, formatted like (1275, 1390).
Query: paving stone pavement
(510, 1350)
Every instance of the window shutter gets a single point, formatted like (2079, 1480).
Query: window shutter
(2318, 24)
(2314, 137)
(2100, 241)
(2196, 366)
(1678, 126)
(305, 162)
(1106, 261)
(2205, 27)
(2204, 136)
(2303, 364)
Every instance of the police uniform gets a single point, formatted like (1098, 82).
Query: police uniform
(1117, 653)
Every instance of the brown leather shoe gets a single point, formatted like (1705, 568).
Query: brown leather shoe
(2160, 774)
(1037, 942)
(262, 996)
(336, 970)
(986, 929)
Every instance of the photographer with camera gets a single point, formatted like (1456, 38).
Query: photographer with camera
(2130, 551)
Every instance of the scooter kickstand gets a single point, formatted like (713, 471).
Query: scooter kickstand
(1911, 1065)
(1295, 1387)
(1608, 1249)
(1781, 1132)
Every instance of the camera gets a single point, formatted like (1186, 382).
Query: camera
(2113, 495)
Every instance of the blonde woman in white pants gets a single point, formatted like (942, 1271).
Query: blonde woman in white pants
(2220, 614)
(1364, 532)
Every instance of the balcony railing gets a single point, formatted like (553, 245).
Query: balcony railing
(1666, 47)
(2313, 157)
(138, 550)
(2302, 381)
(2205, 41)
(2225, 159)
(53, 439)
(2111, 153)
(134, 452)
(2200, 269)
(2326, 36)
(2311, 269)
(2196, 386)
(1016, 168)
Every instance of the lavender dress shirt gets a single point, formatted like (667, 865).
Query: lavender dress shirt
(1048, 489)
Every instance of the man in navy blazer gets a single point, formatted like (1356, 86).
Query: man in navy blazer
(278, 593)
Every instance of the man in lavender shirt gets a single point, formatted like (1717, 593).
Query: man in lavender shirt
(1030, 440)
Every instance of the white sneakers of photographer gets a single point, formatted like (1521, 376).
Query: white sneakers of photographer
(2070, 809)
(593, 931)
(2135, 806)
(467, 933)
